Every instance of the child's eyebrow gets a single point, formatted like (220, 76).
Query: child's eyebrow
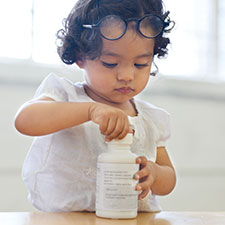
(107, 53)
(149, 54)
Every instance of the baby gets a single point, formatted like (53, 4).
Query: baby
(114, 43)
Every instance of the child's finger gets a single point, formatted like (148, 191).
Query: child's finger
(145, 186)
(125, 130)
(111, 126)
(103, 124)
(118, 127)
(143, 194)
(145, 172)
(123, 134)
(120, 130)
(141, 160)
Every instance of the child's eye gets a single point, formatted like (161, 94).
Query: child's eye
(109, 65)
(140, 65)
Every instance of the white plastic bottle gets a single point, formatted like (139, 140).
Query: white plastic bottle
(116, 196)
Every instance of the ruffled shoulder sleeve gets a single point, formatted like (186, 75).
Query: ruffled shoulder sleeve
(53, 87)
(160, 119)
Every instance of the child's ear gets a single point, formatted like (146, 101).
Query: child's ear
(80, 63)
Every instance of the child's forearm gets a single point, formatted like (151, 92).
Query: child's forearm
(45, 117)
(165, 180)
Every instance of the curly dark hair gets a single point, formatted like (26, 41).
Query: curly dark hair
(79, 43)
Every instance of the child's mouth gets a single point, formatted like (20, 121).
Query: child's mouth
(124, 90)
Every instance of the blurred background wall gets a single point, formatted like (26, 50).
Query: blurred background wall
(190, 86)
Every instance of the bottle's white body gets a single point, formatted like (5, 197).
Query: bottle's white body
(118, 162)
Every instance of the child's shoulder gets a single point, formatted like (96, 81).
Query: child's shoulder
(59, 88)
(160, 118)
(149, 108)
(52, 78)
(150, 111)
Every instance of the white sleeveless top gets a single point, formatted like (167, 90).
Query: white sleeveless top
(60, 168)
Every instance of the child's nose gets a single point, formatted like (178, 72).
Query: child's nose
(126, 74)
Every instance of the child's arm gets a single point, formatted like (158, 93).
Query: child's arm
(159, 177)
(45, 116)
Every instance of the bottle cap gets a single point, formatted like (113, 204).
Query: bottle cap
(127, 140)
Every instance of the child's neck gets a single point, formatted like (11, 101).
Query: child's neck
(128, 107)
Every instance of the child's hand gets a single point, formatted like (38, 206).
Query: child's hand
(112, 122)
(146, 176)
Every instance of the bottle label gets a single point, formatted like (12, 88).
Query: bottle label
(115, 187)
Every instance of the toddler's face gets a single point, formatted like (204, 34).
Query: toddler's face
(123, 69)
